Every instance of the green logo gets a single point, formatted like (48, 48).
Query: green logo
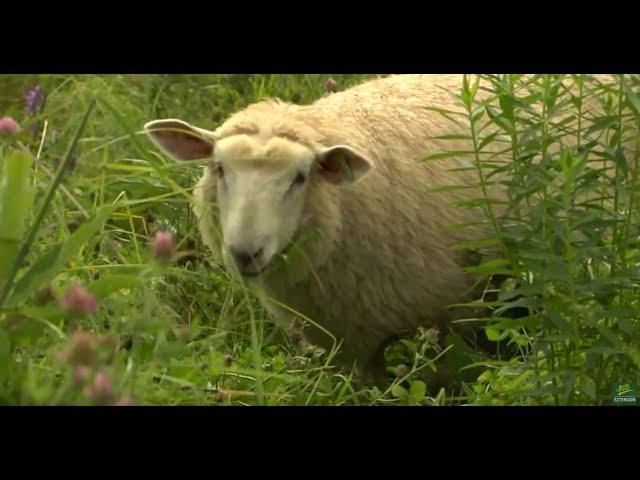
(624, 393)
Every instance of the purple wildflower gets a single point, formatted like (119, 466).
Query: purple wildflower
(163, 246)
(80, 351)
(34, 100)
(100, 390)
(34, 104)
(79, 299)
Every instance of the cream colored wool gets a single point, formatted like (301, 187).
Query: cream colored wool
(384, 262)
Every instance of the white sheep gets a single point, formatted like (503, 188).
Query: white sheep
(348, 167)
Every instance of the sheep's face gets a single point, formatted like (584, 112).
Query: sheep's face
(262, 185)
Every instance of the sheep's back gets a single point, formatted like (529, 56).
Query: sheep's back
(392, 265)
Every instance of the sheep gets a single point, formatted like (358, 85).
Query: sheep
(349, 169)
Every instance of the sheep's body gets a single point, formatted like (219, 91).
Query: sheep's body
(384, 263)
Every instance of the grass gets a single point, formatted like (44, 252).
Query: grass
(182, 333)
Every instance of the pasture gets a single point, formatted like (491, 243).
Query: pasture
(108, 295)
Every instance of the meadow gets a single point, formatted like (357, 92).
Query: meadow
(109, 297)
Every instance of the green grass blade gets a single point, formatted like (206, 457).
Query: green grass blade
(16, 201)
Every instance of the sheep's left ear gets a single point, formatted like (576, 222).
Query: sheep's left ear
(341, 165)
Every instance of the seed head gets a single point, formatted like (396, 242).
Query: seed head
(330, 85)
(402, 370)
(432, 336)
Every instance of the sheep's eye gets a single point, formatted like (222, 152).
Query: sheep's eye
(299, 180)
(219, 170)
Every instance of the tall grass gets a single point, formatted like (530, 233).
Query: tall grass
(569, 231)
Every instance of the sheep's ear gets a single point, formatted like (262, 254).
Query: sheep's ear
(180, 140)
(341, 165)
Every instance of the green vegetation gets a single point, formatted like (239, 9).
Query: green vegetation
(98, 305)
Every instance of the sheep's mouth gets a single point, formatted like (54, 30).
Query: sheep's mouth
(255, 273)
(275, 259)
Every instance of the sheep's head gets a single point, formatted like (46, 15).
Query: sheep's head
(263, 183)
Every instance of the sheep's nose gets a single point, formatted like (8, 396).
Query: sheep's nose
(245, 258)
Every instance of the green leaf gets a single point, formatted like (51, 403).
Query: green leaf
(588, 387)
(399, 391)
(411, 346)
(16, 200)
(5, 356)
(107, 285)
(30, 328)
(602, 123)
(52, 262)
(506, 104)
(499, 120)
(418, 391)
(448, 154)
(634, 99)
(621, 162)
(487, 140)
(453, 137)
(563, 325)
(632, 352)
(506, 323)
(493, 334)
(459, 357)
(477, 115)
(484, 242)
(491, 267)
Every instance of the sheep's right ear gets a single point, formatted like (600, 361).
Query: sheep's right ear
(342, 165)
(180, 140)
